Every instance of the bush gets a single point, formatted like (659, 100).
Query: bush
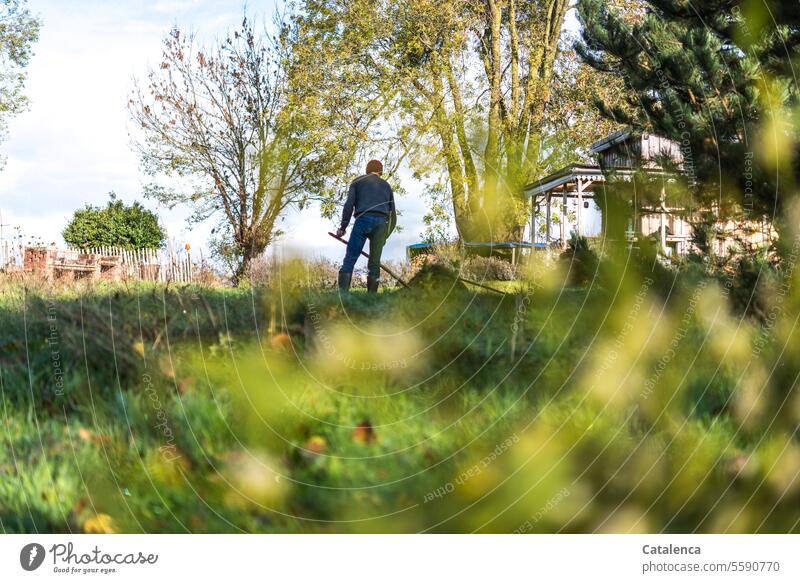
(753, 282)
(580, 261)
(116, 225)
(488, 268)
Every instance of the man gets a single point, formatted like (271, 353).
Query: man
(372, 200)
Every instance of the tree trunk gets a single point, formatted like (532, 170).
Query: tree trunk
(242, 270)
(492, 187)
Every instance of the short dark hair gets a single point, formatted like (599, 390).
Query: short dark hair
(374, 166)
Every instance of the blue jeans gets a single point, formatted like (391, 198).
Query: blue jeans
(372, 227)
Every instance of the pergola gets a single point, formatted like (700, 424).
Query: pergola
(577, 182)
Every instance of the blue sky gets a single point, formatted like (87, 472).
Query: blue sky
(72, 146)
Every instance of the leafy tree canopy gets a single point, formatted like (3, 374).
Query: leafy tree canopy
(115, 225)
(716, 77)
(243, 146)
(19, 30)
(462, 86)
(477, 97)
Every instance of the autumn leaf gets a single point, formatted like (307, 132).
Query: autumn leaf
(185, 384)
(364, 433)
(99, 524)
(281, 341)
(165, 365)
(138, 348)
(316, 445)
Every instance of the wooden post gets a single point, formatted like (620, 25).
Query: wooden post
(564, 216)
(548, 217)
(533, 219)
(579, 225)
(663, 213)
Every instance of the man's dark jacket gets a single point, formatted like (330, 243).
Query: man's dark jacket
(370, 194)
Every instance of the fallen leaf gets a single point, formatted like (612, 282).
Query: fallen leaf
(316, 444)
(138, 348)
(185, 384)
(364, 433)
(281, 341)
(99, 524)
(165, 365)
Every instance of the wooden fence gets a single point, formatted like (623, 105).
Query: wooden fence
(11, 255)
(113, 263)
(149, 264)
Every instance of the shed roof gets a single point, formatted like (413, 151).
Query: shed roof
(610, 141)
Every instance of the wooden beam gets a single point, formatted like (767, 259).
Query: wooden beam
(579, 227)
(548, 218)
(663, 222)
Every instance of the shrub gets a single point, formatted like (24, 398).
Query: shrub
(488, 268)
(580, 261)
(752, 280)
(116, 225)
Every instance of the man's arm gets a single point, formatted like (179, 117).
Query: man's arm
(392, 212)
(347, 212)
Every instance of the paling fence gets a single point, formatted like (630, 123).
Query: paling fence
(11, 255)
(163, 265)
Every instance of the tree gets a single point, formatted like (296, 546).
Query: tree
(242, 143)
(19, 31)
(466, 81)
(115, 225)
(716, 77)
(572, 121)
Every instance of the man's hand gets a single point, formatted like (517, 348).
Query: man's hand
(340, 232)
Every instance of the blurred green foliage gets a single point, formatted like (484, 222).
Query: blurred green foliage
(641, 401)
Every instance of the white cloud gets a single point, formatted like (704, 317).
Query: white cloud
(72, 146)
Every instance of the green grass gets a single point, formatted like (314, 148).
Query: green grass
(297, 410)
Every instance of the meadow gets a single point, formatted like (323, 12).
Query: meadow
(639, 398)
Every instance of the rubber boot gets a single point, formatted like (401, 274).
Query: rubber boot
(344, 281)
(372, 284)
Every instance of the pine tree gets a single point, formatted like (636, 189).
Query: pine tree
(716, 77)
